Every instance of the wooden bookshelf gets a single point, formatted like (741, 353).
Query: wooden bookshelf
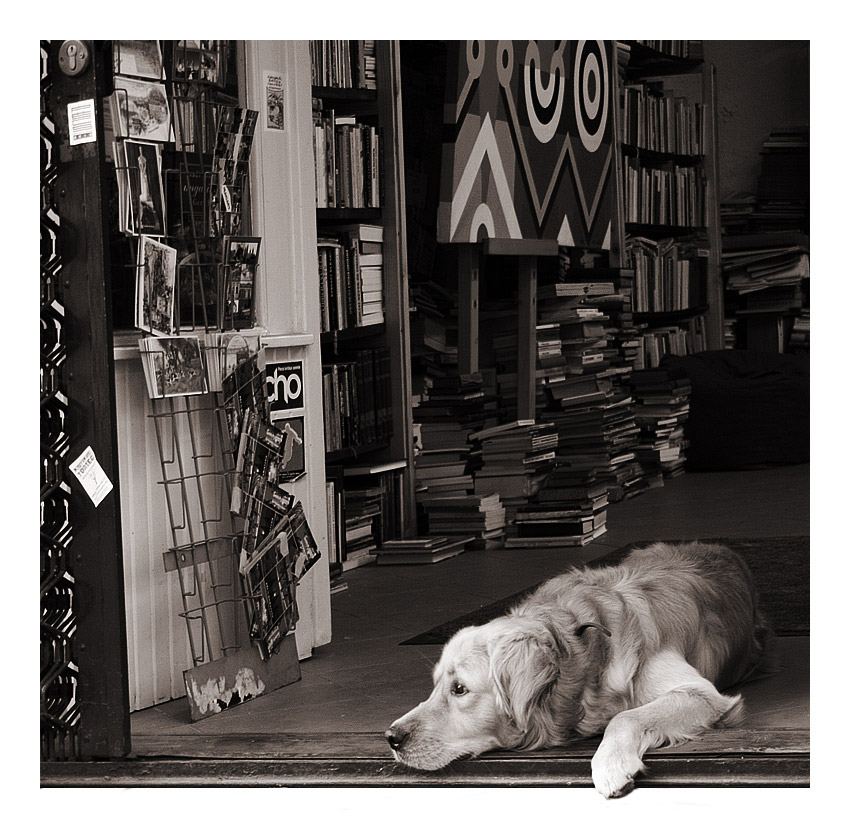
(378, 110)
(666, 127)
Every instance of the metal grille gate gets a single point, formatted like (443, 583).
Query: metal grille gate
(60, 712)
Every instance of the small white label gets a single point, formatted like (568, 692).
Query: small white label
(274, 100)
(81, 121)
(92, 476)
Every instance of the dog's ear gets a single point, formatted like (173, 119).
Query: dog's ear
(525, 660)
(583, 627)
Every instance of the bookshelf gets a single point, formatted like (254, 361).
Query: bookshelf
(362, 261)
(669, 231)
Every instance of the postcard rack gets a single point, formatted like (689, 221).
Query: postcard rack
(181, 149)
(196, 459)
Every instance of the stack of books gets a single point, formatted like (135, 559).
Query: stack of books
(361, 507)
(567, 521)
(588, 402)
(418, 550)
(755, 262)
(449, 408)
(456, 402)
(662, 403)
(515, 460)
(783, 184)
(365, 508)
(480, 515)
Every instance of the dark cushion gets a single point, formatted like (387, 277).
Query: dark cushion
(748, 409)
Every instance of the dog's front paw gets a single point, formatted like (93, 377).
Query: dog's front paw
(614, 771)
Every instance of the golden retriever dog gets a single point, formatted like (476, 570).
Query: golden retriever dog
(636, 651)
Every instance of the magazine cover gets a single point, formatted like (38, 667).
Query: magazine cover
(239, 274)
(155, 282)
(173, 366)
(142, 58)
(146, 214)
(140, 110)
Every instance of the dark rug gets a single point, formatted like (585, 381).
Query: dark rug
(780, 567)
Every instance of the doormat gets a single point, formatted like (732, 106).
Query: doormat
(780, 567)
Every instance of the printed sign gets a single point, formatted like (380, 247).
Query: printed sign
(92, 476)
(285, 388)
(274, 101)
(81, 122)
(292, 456)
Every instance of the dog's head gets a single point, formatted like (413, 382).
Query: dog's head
(511, 683)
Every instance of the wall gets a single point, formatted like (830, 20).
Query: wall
(760, 85)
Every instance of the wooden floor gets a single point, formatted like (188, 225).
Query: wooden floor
(327, 728)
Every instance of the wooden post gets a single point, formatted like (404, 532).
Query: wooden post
(469, 265)
(101, 639)
(527, 337)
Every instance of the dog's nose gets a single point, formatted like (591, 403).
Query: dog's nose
(396, 737)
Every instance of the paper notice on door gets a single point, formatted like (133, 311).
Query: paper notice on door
(81, 126)
(92, 476)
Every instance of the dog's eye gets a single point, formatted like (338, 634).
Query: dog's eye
(459, 689)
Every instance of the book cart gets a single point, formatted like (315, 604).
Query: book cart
(239, 541)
